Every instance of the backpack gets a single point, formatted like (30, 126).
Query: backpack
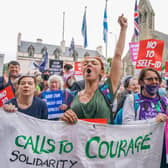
(118, 116)
(104, 91)
(108, 98)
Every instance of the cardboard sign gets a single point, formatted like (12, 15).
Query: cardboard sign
(53, 99)
(150, 54)
(134, 48)
(5, 95)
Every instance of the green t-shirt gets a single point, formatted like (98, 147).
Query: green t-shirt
(95, 108)
(38, 88)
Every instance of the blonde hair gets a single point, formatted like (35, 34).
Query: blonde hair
(57, 78)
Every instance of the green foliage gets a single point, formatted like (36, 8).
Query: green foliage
(109, 60)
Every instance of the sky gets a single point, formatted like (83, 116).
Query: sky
(44, 19)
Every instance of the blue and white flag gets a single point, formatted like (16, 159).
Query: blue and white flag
(105, 24)
(84, 29)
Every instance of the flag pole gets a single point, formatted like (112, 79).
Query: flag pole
(105, 27)
(106, 46)
(63, 26)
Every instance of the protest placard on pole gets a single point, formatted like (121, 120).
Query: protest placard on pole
(150, 54)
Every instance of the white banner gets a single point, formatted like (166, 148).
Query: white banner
(26, 142)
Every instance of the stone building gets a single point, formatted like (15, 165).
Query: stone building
(2, 56)
(27, 52)
(147, 31)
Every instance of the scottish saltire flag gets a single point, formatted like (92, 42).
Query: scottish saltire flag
(72, 46)
(84, 29)
(105, 24)
(136, 20)
(43, 65)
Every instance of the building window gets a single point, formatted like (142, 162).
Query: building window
(86, 54)
(140, 18)
(144, 17)
(43, 51)
(75, 55)
(57, 54)
(31, 51)
(151, 21)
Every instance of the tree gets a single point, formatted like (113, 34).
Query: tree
(109, 60)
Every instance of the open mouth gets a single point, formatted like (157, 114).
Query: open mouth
(88, 71)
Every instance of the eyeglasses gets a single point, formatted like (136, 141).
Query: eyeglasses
(152, 79)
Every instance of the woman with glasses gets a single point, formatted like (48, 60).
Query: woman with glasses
(150, 103)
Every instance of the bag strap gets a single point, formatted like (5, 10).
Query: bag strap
(108, 98)
(163, 103)
(136, 104)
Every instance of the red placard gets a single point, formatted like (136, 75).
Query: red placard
(166, 70)
(150, 54)
(78, 68)
(96, 120)
(5, 95)
(166, 66)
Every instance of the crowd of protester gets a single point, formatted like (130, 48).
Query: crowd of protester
(84, 99)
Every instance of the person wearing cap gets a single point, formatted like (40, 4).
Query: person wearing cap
(25, 101)
(89, 102)
(14, 72)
